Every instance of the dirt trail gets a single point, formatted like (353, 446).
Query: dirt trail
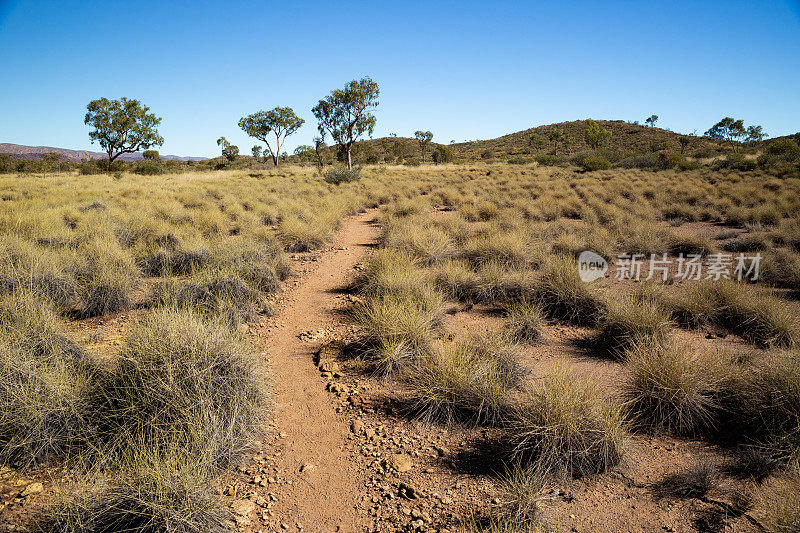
(312, 436)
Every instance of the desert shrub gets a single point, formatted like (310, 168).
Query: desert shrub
(518, 160)
(340, 175)
(628, 321)
(758, 318)
(44, 381)
(7, 164)
(396, 329)
(443, 154)
(645, 161)
(593, 163)
(737, 161)
(781, 157)
(704, 153)
(90, 167)
(525, 322)
(672, 389)
(467, 380)
(148, 167)
(563, 296)
(548, 160)
(682, 163)
(182, 382)
(564, 426)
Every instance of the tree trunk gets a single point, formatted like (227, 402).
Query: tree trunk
(275, 159)
(349, 159)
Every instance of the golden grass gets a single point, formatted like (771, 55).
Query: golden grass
(565, 426)
(213, 244)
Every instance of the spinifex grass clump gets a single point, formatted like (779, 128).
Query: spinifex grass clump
(45, 379)
(781, 508)
(766, 409)
(673, 389)
(499, 283)
(695, 482)
(563, 296)
(521, 497)
(428, 243)
(31, 268)
(627, 321)
(565, 426)
(525, 322)
(390, 272)
(182, 382)
(175, 262)
(756, 317)
(226, 297)
(262, 264)
(151, 493)
(397, 329)
(466, 380)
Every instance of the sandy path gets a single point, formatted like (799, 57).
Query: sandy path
(322, 497)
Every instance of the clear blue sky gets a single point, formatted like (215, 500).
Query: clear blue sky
(464, 70)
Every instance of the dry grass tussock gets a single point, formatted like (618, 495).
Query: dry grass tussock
(565, 426)
(468, 379)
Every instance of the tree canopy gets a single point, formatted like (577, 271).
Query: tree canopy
(596, 136)
(229, 151)
(345, 113)
(280, 122)
(755, 134)
(122, 126)
(728, 129)
(423, 138)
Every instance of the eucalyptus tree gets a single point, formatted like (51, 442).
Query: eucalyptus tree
(280, 122)
(122, 126)
(346, 113)
(424, 138)
(728, 129)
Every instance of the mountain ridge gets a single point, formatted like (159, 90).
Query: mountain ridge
(21, 151)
